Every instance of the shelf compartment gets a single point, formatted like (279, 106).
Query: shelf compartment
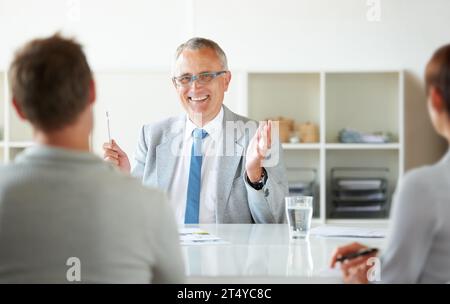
(362, 159)
(304, 166)
(20, 130)
(366, 102)
(290, 95)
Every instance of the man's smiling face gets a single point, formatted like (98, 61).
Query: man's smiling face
(201, 101)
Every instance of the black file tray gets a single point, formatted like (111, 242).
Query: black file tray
(359, 192)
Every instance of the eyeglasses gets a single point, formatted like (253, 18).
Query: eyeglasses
(202, 78)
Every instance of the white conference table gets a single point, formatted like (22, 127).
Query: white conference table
(263, 253)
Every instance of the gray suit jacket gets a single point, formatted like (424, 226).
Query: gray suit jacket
(156, 156)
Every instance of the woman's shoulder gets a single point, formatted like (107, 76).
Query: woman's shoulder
(427, 180)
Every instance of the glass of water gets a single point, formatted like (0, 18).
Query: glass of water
(299, 214)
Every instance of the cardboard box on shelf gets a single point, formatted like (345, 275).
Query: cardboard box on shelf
(286, 126)
(308, 132)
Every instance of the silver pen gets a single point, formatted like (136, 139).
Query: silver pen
(109, 130)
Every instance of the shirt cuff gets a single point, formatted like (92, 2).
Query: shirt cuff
(258, 185)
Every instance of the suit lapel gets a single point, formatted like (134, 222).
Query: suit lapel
(167, 154)
(228, 165)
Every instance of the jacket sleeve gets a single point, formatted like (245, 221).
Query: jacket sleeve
(267, 204)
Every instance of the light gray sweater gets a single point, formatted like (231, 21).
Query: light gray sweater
(56, 204)
(418, 247)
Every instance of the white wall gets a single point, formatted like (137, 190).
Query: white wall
(256, 34)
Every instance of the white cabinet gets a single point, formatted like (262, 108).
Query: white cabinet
(366, 101)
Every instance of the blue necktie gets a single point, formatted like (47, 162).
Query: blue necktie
(195, 174)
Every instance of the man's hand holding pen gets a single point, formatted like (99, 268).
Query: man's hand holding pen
(112, 153)
(115, 155)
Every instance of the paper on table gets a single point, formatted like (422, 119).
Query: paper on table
(196, 236)
(355, 232)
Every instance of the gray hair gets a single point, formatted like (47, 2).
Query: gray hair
(198, 43)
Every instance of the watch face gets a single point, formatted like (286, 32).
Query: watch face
(258, 186)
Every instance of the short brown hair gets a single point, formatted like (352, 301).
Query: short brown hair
(437, 73)
(50, 80)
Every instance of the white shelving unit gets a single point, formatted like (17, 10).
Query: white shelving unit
(367, 101)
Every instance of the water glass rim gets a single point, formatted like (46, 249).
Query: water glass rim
(299, 200)
(309, 197)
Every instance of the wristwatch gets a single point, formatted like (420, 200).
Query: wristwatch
(259, 184)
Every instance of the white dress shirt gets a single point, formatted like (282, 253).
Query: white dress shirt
(211, 145)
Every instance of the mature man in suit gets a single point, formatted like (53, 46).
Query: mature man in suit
(217, 166)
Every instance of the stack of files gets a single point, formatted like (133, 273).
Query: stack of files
(359, 195)
(352, 136)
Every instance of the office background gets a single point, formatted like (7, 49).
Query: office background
(130, 46)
